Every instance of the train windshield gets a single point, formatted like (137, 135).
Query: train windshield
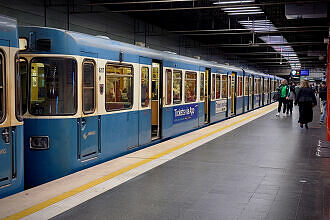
(53, 86)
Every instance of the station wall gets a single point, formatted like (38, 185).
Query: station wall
(114, 25)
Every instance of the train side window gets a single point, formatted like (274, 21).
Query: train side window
(53, 86)
(145, 100)
(217, 85)
(21, 87)
(168, 86)
(118, 87)
(202, 87)
(177, 86)
(88, 89)
(213, 87)
(224, 86)
(246, 86)
(240, 86)
(191, 87)
(2, 88)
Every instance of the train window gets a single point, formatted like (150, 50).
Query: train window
(145, 87)
(21, 87)
(2, 85)
(202, 87)
(259, 86)
(229, 86)
(118, 87)
(191, 87)
(224, 86)
(88, 87)
(255, 86)
(168, 87)
(240, 86)
(217, 85)
(177, 86)
(53, 86)
(266, 86)
(213, 87)
(246, 86)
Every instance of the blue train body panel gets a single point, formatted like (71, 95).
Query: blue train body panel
(239, 105)
(201, 114)
(144, 126)
(61, 157)
(16, 167)
(246, 103)
(119, 132)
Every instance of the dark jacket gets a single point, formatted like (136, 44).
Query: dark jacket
(306, 95)
(323, 93)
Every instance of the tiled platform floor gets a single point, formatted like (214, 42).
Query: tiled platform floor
(266, 169)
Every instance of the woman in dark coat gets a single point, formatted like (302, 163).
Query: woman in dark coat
(306, 101)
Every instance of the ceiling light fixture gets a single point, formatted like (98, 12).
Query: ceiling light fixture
(238, 11)
(232, 2)
(240, 8)
(246, 13)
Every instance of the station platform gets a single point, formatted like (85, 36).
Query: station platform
(253, 166)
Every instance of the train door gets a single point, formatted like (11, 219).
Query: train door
(89, 123)
(5, 140)
(252, 92)
(262, 90)
(156, 99)
(207, 95)
(233, 93)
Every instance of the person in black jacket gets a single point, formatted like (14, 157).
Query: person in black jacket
(291, 98)
(306, 100)
(323, 101)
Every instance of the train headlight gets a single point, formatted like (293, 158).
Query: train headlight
(39, 142)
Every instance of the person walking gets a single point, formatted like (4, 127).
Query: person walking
(323, 101)
(284, 92)
(306, 100)
(291, 98)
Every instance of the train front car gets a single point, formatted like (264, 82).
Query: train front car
(11, 125)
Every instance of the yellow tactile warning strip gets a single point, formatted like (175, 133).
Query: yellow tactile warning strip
(93, 183)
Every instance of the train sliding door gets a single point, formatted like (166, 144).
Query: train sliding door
(89, 124)
(207, 95)
(251, 90)
(156, 99)
(233, 93)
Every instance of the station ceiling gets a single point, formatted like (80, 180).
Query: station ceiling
(274, 34)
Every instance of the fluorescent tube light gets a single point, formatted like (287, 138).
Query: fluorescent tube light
(240, 8)
(238, 11)
(232, 2)
(246, 13)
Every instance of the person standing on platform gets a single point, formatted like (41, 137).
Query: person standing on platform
(284, 92)
(306, 100)
(323, 101)
(292, 97)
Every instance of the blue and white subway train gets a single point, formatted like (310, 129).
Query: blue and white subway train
(11, 122)
(91, 99)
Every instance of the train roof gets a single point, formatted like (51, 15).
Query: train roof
(74, 43)
(8, 32)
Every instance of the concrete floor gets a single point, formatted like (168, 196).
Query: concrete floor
(266, 169)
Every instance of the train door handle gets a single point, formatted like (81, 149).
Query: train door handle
(83, 124)
(5, 135)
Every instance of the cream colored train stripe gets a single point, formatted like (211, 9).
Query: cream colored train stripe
(82, 188)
